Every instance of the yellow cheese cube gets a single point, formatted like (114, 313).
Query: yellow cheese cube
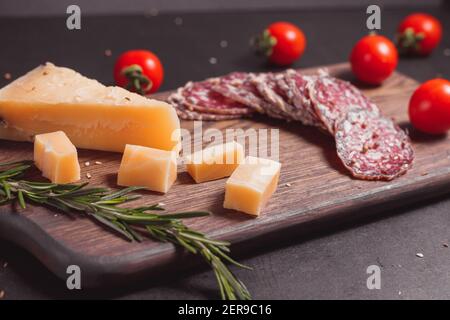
(56, 157)
(93, 116)
(215, 162)
(151, 168)
(251, 185)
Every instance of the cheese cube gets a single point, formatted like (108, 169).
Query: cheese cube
(251, 185)
(215, 162)
(56, 157)
(151, 168)
(51, 98)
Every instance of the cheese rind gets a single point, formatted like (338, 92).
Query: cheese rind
(215, 162)
(251, 185)
(151, 168)
(93, 116)
(56, 157)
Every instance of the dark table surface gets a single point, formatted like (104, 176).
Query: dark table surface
(330, 262)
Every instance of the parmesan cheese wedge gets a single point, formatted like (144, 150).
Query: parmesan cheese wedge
(251, 185)
(215, 162)
(151, 168)
(93, 116)
(56, 157)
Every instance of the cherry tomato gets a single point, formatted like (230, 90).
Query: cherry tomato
(429, 107)
(282, 42)
(419, 33)
(139, 70)
(373, 59)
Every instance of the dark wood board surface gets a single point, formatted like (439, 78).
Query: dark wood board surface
(320, 188)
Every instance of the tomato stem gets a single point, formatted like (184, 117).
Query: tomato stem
(137, 81)
(263, 43)
(409, 41)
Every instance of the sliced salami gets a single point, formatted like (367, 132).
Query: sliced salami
(199, 96)
(372, 147)
(294, 86)
(333, 98)
(187, 114)
(239, 87)
(268, 88)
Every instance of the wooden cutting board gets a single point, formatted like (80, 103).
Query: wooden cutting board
(313, 186)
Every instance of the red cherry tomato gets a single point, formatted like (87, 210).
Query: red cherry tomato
(429, 107)
(419, 33)
(373, 59)
(282, 42)
(139, 70)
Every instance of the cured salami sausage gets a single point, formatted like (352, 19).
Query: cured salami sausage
(294, 86)
(333, 98)
(186, 114)
(268, 88)
(239, 87)
(199, 96)
(372, 147)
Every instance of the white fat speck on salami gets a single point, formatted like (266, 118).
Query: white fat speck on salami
(199, 97)
(333, 98)
(294, 86)
(372, 147)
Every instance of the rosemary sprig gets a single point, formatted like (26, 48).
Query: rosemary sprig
(103, 205)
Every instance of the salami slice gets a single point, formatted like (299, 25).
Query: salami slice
(239, 87)
(372, 147)
(294, 86)
(187, 114)
(268, 88)
(199, 96)
(333, 98)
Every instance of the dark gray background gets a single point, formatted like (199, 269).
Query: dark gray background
(319, 262)
(58, 7)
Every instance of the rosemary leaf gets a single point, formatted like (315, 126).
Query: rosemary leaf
(12, 163)
(7, 190)
(186, 215)
(113, 226)
(21, 199)
(120, 193)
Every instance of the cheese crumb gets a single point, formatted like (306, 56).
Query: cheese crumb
(288, 184)
(420, 255)
(98, 162)
(87, 163)
(88, 175)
